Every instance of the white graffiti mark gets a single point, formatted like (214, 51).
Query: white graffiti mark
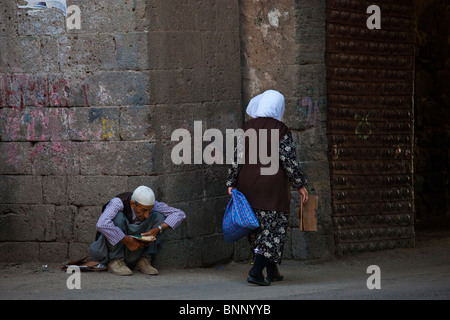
(39, 5)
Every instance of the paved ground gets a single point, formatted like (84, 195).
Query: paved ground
(419, 273)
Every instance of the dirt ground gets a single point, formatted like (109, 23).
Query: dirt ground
(420, 273)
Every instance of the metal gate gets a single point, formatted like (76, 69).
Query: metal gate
(370, 83)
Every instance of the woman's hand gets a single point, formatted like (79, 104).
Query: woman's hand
(229, 190)
(303, 192)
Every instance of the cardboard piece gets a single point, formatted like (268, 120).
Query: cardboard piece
(307, 213)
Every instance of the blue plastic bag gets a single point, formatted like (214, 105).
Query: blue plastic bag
(239, 219)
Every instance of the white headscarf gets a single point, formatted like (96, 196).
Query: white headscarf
(267, 104)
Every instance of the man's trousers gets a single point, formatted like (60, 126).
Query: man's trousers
(102, 251)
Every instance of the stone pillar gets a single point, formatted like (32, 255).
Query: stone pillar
(283, 48)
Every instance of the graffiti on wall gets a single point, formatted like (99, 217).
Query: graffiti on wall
(312, 105)
(35, 107)
(20, 90)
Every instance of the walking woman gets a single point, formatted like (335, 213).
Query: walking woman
(269, 195)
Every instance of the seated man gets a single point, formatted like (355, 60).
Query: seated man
(128, 214)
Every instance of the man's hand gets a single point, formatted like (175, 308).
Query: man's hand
(132, 244)
(156, 231)
(303, 192)
(152, 233)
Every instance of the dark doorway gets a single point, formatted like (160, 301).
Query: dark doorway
(432, 114)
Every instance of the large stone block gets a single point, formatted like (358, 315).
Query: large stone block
(64, 223)
(21, 189)
(311, 245)
(77, 251)
(199, 222)
(94, 190)
(27, 54)
(156, 183)
(172, 50)
(132, 51)
(317, 175)
(215, 177)
(55, 158)
(33, 123)
(180, 86)
(84, 88)
(162, 162)
(221, 115)
(117, 88)
(182, 15)
(24, 49)
(139, 123)
(93, 124)
(19, 252)
(227, 15)
(226, 83)
(48, 55)
(27, 223)
(242, 250)
(177, 187)
(53, 252)
(226, 48)
(117, 158)
(85, 222)
(168, 118)
(215, 249)
(43, 22)
(8, 23)
(185, 253)
(70, 89)
(183, 186)
(216, 207)
(87, 52)
(105, 16)
(15, 158)
(54, 190)
(287, 250)
(311, 144)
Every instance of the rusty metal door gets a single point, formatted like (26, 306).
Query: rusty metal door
(370, 75)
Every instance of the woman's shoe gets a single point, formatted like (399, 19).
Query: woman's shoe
(263, 282)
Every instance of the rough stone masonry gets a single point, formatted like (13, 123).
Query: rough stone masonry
(88, 113)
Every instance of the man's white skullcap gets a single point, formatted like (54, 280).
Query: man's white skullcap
(144, 195)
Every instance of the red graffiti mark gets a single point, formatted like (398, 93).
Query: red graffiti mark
(39, 91)
(85, 94)
(312, 111)
(8, 91)
(59, 90)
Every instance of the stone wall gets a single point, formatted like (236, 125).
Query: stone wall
(88, 113)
